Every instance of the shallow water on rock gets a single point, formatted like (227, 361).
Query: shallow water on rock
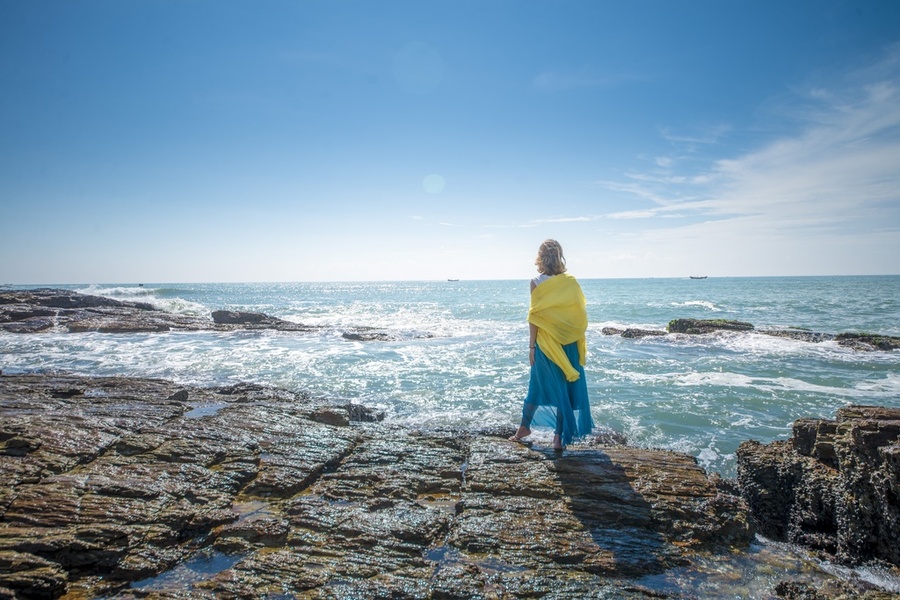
(204, 410)
(201, 567)
(754, 572)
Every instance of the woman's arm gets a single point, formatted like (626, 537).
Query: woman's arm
(532, 338)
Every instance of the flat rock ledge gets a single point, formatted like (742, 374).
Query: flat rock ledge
(141, 488)
(55, 310)
(866, 342)
(833, 487)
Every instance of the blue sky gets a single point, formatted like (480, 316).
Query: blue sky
(194, 141)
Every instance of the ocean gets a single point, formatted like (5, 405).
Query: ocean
(458, 355)
(459, 351)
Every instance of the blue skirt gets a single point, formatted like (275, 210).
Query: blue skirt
(554, 402)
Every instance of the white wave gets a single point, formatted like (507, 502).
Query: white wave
(701, 303)
(149, 295)
(180, 306)
(598, 327)
(118, 292)
(889, 386)
(714, 378)
(886, 388)
(879, 576)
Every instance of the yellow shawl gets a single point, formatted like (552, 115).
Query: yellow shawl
(559, 311)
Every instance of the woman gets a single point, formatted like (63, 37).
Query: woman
(557, 319)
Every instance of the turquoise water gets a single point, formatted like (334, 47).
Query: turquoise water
(701, 395)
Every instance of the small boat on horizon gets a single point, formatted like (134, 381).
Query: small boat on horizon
(453, 280)
(699, 276)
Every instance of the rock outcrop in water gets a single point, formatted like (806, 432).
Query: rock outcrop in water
(136, 487)
(45, 310)
(833, 487)
(701, 326)
(857, 341)
(53, 310)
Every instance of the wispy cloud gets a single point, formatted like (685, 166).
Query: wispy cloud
(823, 198)
(706, 134)
(635, 214)
(838, 171)
(543, 221)
(581, 219)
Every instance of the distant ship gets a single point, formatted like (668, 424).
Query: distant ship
(453, 280)
(699, 276)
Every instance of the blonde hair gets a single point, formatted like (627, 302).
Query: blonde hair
(550, 259)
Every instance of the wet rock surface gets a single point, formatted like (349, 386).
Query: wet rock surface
(834, 487)
(121, 487)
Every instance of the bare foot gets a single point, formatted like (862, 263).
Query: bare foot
(557, 443)
(521, 433)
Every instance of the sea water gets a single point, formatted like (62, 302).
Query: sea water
(458, 355)
(459, 351)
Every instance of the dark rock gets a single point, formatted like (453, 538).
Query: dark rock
(249, 320)
(631, 332)
(856, 341)
(868, 342)
(799, 335)
(364, 414)
(605, 436)
(179, 396)
(12, 444)
(231, 317)
(122, 483)
(29, 325)
(331, 415)
(834, 487)
(701, 326)
(367, 336)
(640, 333)
(831, 590)
(40, 310)
(30, 576)
(64, 299)
(11, 314)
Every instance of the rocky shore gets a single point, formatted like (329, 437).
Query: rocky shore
(141, 488)
(55, 310)
(112, 485)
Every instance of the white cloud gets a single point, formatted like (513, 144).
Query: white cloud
(635, 214)
(706, 134)
(665, 162)
(825, 199)
(581, 219)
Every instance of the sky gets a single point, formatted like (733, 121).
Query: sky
(230, 141)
